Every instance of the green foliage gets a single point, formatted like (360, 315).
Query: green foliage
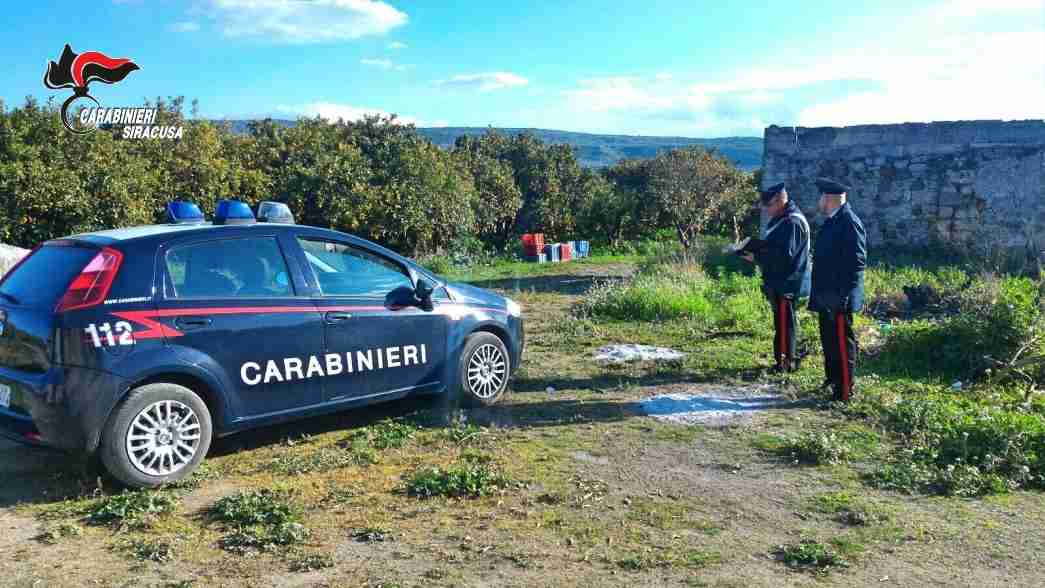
(133, 510)
(154, 550)
(375, 178)
(257, 507)
(961, 445)
(53, 534)
(460, 481)
(260, 520)
(815, 448)
(812, 556)
(692, 185)
(681, 291)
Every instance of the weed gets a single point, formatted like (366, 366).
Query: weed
(257, 507)
(131, 510)
(262, 520)
(391, 433)
(815, 448)
(464, 434)
(311, 563)
(54, 534)
(263, 538)
(465, 481)
(320, 460)
(154, 550)
(371, 535)
(810, 555)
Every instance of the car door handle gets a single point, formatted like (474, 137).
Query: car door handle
(192, 322)
(337, 317)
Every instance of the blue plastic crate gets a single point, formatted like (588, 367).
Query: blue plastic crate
(542, 258)
(584, 248)
(551, 252)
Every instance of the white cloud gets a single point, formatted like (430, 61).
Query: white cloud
(396, 45)
(485, 82)
(957, 60)
(315, 21)
(385, 64)
(960, 77)
(187, 26)
(380, 63)
(334, 111)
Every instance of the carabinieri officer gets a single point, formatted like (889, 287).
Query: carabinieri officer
(839, 260)
(785, 270)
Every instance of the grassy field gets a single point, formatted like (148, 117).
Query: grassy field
(575, 487)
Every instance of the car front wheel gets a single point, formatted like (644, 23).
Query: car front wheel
(484, 369)
(159, 434)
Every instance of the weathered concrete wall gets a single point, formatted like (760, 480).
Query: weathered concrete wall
(960, 182)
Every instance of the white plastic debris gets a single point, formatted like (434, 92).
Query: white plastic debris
(717, 406)
(632, 352)
(550, 389)
(957, 386)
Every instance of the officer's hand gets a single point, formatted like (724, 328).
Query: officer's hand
(748, 257)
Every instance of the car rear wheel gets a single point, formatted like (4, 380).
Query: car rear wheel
(484, 369)
(159, 434)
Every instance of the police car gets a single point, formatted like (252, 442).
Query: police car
(143, 343)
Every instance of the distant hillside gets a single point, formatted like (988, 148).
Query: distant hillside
(603, 150)
(599, 150)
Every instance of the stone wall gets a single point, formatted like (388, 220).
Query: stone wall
(970, 182)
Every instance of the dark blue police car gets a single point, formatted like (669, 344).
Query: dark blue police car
(144, 343)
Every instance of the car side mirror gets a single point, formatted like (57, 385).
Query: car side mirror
(423, 291)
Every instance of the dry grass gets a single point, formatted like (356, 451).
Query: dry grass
(600, 495)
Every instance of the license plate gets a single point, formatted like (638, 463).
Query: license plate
(5, 396)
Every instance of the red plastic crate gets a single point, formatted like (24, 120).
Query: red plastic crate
(565, 252)
(533, 243)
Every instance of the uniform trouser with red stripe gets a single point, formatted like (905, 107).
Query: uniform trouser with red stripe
(785, 326)
(839, 342)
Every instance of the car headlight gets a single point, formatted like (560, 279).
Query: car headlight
(514, 309)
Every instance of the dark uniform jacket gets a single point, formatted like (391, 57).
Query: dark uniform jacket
(839, 260)
(785, 259)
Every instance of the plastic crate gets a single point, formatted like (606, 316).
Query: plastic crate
(533, 243)
(565, 252)
(541, 258)
(584, 248)
(551, 252)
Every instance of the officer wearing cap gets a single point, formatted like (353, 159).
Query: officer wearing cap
(840, 257)
(784, 260)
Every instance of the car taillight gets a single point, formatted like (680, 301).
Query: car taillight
(92, 285)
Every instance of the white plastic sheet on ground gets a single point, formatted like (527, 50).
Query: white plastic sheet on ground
(718, 406)
(632, 352)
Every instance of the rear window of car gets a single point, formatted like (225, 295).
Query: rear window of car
(44, 276)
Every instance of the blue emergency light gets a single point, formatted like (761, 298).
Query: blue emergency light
(180, 213)
(233, 212)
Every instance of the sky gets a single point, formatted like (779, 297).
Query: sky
(689, 68)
